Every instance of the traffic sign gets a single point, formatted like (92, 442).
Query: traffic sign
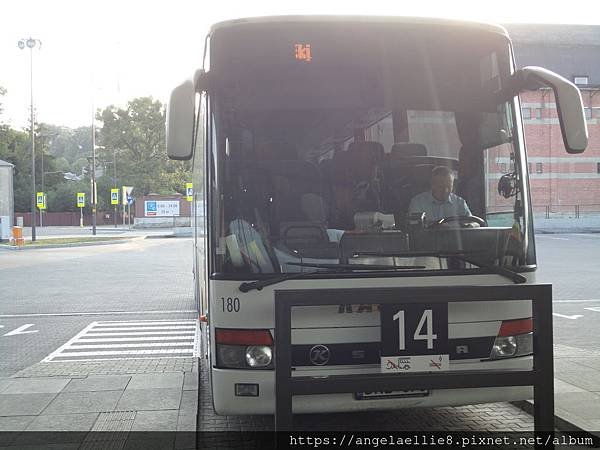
(127, 190)
(114, 196)
(41, 200)
(81, 199)
(189, 191)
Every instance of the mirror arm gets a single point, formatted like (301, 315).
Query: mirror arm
(201, 81)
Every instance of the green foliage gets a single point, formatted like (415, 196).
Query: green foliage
(63, 197)
(135, 138)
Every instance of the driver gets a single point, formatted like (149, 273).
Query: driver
(440, 202)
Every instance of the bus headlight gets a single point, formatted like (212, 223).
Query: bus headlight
(259, 356)
(504, 347)
(244, 349)
(515, 338)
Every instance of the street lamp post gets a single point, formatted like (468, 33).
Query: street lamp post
(31, 43)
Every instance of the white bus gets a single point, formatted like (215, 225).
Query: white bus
(311, 137)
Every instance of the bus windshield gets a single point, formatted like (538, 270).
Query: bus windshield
(348, 146)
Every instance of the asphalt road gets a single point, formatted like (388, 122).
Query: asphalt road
(47, 296)
(571, 262)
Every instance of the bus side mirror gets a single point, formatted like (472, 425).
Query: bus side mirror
(568, 102)
(180, 121)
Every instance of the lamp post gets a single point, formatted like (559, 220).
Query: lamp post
(31, 43)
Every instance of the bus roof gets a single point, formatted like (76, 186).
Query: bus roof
(408, 21)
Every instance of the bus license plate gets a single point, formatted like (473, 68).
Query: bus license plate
(414, 337)
(390, 394)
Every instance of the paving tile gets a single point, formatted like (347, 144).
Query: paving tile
(190, 381)
(189, 402)
(186, 422)
(149, 399)
(156, 381)
(561, 387)
(4, 382)
(15, 423)
(584, 378)
(579, 404)
(24, 404)
(83, 402)
(165, 420)
(63, 422)
(36, 385)
(98, 383)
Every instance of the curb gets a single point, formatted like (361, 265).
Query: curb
(74, 244)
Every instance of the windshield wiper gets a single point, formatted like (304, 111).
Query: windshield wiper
(259, 284)
(354, 266)
(517, 278)
(333, 269)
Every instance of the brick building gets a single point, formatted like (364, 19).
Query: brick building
(561, 183)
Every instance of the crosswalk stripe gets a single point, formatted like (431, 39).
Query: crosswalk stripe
(144, 344)
(130, 339)
(159, 328)
(145, 338)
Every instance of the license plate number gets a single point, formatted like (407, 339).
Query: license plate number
(390, 394)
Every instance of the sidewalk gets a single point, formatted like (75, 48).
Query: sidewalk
(577, 387)
(117, 398)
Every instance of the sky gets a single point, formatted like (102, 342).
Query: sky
(94, 54)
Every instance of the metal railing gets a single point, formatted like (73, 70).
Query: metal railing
(567, 211)
(541, 377)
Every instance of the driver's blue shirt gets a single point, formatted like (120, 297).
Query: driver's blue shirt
(435, 209)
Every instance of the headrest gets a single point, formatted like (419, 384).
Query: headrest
(367, 146)
(408, 149)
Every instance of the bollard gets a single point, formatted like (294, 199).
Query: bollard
(18, 238)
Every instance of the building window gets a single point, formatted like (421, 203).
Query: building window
(580, 79)
(588, 113)
(539, 168)
(538, 113)
(526, 113)
(598, 167)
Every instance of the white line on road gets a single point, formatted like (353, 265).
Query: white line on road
(155, 338)
(593, 309)
(96, 341)
(113, 323)
(142, 333)
(593, 300)
(573, 317)
(21, 329)
(143, 344)
(100, 313)
(156, 328)
(129, 352)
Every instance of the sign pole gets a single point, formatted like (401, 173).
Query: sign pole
(81, 217)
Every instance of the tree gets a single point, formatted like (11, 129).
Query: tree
(135, 137)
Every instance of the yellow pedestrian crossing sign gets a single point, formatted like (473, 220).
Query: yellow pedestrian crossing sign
(81, 199)
(41, 200)
(114, 196)
(189, 191)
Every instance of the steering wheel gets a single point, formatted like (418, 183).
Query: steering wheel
(463, 221)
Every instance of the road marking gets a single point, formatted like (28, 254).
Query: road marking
(21, 329)
(106, 313)
(573, 317)
(558, 239)
(142, 333)
(156, 328)
(151, 338)
(593, 300)
(595, 309)
(110, 340)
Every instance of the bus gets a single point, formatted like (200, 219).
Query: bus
(311, 139)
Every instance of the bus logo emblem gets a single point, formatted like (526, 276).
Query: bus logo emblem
(319, 355)
(303, 52)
